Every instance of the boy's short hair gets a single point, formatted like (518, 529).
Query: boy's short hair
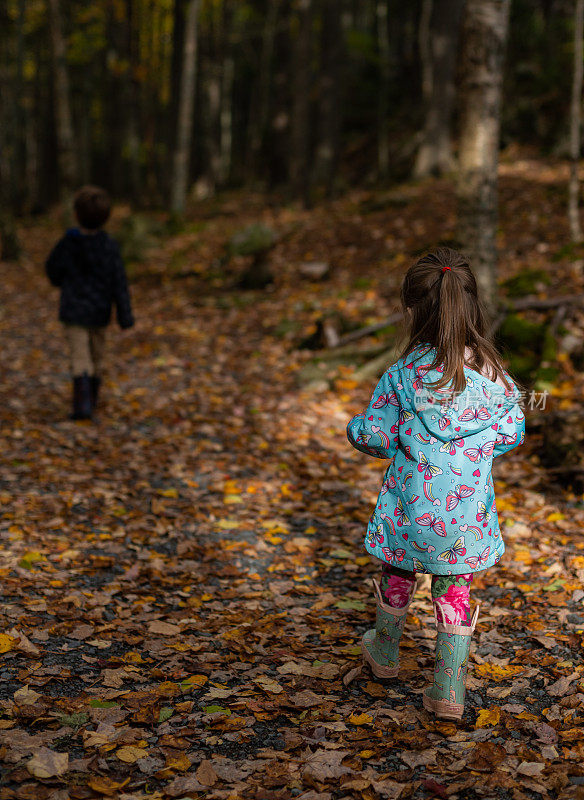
(92, 206)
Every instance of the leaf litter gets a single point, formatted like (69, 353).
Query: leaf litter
(184, 587)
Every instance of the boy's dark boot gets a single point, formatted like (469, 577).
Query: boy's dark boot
(95, 384)
(82, 405)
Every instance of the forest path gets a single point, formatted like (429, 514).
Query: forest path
(184, 584)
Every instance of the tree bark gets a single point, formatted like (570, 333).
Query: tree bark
(383, 46)
(260, 104)
(439, 35)
(575, 124)
(485, 30)
(64, 119)
(184, 128)
(302, 79)
(329, 122)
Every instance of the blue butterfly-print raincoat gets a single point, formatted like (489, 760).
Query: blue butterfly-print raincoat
(436, 510)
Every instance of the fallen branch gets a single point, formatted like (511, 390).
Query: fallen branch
(532, 303)
(538, 303)
(368, 330)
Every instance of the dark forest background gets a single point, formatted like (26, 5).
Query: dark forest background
(309, 96)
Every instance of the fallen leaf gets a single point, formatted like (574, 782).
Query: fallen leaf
(129, 754)
(205, 773)
(47, 763)
(530, 768)
(418, 758)
(488, 716)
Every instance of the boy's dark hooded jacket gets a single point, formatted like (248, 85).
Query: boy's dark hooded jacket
(89, 270)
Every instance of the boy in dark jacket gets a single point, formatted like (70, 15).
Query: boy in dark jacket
(87, 266)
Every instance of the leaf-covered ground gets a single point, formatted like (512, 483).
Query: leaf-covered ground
(184, 585)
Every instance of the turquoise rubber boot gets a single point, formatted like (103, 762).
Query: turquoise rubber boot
(380, 645)
(446, 697)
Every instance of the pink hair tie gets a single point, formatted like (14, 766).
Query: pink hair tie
(445, 268)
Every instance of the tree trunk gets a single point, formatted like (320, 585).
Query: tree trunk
(260, 104)
(64, 118)
(575, 124)
(329, 123)
(184, 128)
(439, 34)
(384, 88)
(132, 96)
(226, 138)
(302, 80)
(484, 36)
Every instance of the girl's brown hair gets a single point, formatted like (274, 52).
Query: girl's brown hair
(440, 292)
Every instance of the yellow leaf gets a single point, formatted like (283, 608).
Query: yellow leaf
(30, 558)
(6, 643)
(196, 680)
(105, 785)
(366, 753)
(227, 524)
(168, 492)
(488, 716)
(231, 499)
(555, 516)
(497, 672)
(129, 754)
(180, 762)
(524, 555)
(361, 719)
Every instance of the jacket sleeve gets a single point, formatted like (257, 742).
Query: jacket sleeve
(58, 263)
(375, 431)
(121, 291)
(510, 432)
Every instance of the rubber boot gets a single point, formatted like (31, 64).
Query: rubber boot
(95, 384)
(446, 697)
(82, 406)
(380, 645)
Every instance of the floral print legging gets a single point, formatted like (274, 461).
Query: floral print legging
(451, 593)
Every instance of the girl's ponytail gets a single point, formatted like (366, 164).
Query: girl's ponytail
(440, 291)
(452, 325)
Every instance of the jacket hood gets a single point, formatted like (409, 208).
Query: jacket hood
(482, 403)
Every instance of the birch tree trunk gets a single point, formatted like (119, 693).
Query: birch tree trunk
(575, 125)
(64, 119)
(439, 35)
(186, 106)
(485, 31)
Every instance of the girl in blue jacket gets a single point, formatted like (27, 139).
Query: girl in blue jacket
(441, 413)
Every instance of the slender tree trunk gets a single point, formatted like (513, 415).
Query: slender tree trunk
(64, 118)
(484, 37)
(575, 125)
(184, 128)
(302, 80)
(226, 112)
(329, 122)
(132, 96)
(383, 47)
(439, 34)
(260, 103)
